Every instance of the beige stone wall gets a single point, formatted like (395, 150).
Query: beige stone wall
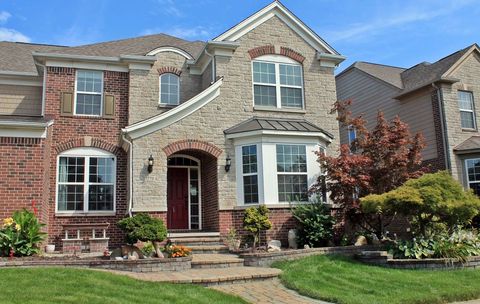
(469, 75)
(20, 100)
(144, 87)
(234, 105)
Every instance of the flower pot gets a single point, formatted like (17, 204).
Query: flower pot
(50, 248)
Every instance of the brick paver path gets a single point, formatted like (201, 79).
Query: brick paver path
(468, 302)
(265, 292)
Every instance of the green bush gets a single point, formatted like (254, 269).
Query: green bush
(431, 203)
(316, 224)
(255, 220)
(21, 234)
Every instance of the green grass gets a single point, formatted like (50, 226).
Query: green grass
(342, 280)
(66, 285)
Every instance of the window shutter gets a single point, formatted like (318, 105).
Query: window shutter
(67, 104)
(109, 110)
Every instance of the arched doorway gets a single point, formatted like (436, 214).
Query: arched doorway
(184, 203)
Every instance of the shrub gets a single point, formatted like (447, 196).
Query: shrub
(143, 227)
(177, 251)
(316, 224)
(431, 203)
(21, 234)
(148, 249)
(255, 220)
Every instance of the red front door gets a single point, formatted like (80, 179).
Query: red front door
(177, 198)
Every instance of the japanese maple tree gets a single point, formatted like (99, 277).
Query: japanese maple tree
(377, 161)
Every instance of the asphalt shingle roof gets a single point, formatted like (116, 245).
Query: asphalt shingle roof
(389, 74)
(473, 143)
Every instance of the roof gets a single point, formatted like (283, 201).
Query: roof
(469, 145)
(415, 77)
(17, 57)
(276, 124)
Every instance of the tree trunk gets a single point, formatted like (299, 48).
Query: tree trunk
(159, 253)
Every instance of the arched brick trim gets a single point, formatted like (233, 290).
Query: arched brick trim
(169, 69)
(88, 142)
(192, 144)
(261, 50)
(291, 54)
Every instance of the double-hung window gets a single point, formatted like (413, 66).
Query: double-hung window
(467, 109)
(250, 174)
(292, 173)
(89, 88)
(169, 89)
(473, 174)
(86, 183)
(277, 84)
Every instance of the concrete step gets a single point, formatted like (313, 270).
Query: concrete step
(215, 240)
(216, 261)
(192, 234)
(210, 277)
(203, 249)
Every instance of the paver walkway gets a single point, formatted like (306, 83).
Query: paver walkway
(266, 292)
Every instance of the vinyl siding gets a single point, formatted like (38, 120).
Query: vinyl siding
(20, 100)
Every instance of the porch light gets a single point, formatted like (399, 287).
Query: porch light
(228, 163)
(150, 164)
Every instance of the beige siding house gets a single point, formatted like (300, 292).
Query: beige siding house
(437, 99)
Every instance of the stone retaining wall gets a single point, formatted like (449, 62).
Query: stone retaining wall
(381, 258)
(144, 265)
(265, 259)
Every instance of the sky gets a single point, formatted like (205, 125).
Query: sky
(400, 33)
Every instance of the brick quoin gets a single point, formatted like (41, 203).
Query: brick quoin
(169, 69)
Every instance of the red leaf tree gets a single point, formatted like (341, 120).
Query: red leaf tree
(377, 161)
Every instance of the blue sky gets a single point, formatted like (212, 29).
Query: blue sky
(400, 33)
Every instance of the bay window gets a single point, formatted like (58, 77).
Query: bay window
(472, 167)
(292, 173)
(86, 181)
(250, 176)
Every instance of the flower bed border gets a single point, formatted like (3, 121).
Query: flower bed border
(382, 258)
(143, 265)
(265, 259)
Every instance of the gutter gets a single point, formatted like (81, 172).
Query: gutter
(443, 126)
(130, 180)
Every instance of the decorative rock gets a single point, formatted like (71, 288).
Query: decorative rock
(116, 253)
(375, 240)
(361, 241)
(275, 243)
(306, 246)
(292, 239)
(118, 258)
(160, 255)
(133, 257)
(128, 250)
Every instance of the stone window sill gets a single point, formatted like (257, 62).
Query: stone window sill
(84, 214)
(284, 110)
(469, 130)
(165, 106)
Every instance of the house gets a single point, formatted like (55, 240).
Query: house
(436, 99)
(191, 132)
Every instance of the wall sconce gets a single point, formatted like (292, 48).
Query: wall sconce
(150, 164)
(228, 163)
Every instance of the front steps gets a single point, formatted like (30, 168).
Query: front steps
(205, 261)
(200, 242)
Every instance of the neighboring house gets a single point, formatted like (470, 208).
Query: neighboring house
(191, 132)
(436, 99)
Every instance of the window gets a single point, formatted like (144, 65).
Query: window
(352, 134)
(292, 173)
(473, 174)
(89, 88)
(169, 89)
(86, 181)
(277, 84)
(467, 109)
(250, 175)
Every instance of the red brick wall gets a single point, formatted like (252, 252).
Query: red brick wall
(282, 221)
(69, 132)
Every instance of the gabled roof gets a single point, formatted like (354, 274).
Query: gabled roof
(470, 145)
(263, 125)
(279, 10)
(386, 73)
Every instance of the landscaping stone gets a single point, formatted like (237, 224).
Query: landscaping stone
(361, 241)
(274, 246)
(292, 239)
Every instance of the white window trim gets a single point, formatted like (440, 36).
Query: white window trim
(291, 173)
(86, 153)
(466, 172)
(88, 93)
(277, 60)
(250, 174)
(349, 129)
(468, 110)
(160, 90)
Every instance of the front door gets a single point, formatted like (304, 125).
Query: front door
(177, 198)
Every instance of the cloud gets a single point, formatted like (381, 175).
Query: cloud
(169, 7)
(7, 34)
(408, 16)
(192, 33)
(4, 16)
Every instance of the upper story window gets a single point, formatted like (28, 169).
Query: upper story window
(169, 89)
(467, 109)
(89, 88)
(86, 181)
(277, 83)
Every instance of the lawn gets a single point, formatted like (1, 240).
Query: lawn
(342, 280)
(66, 285)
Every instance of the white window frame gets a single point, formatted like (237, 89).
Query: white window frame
(86, 153)
(250, 174)
(277, 60)
(472, 111)
(466, 172)
(292, 173)
(88, 93)
(160, 90)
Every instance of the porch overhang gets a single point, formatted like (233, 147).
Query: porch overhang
(469, 146)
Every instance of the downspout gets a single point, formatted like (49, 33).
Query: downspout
(130, 179)
(443, 124)
(214, 65)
